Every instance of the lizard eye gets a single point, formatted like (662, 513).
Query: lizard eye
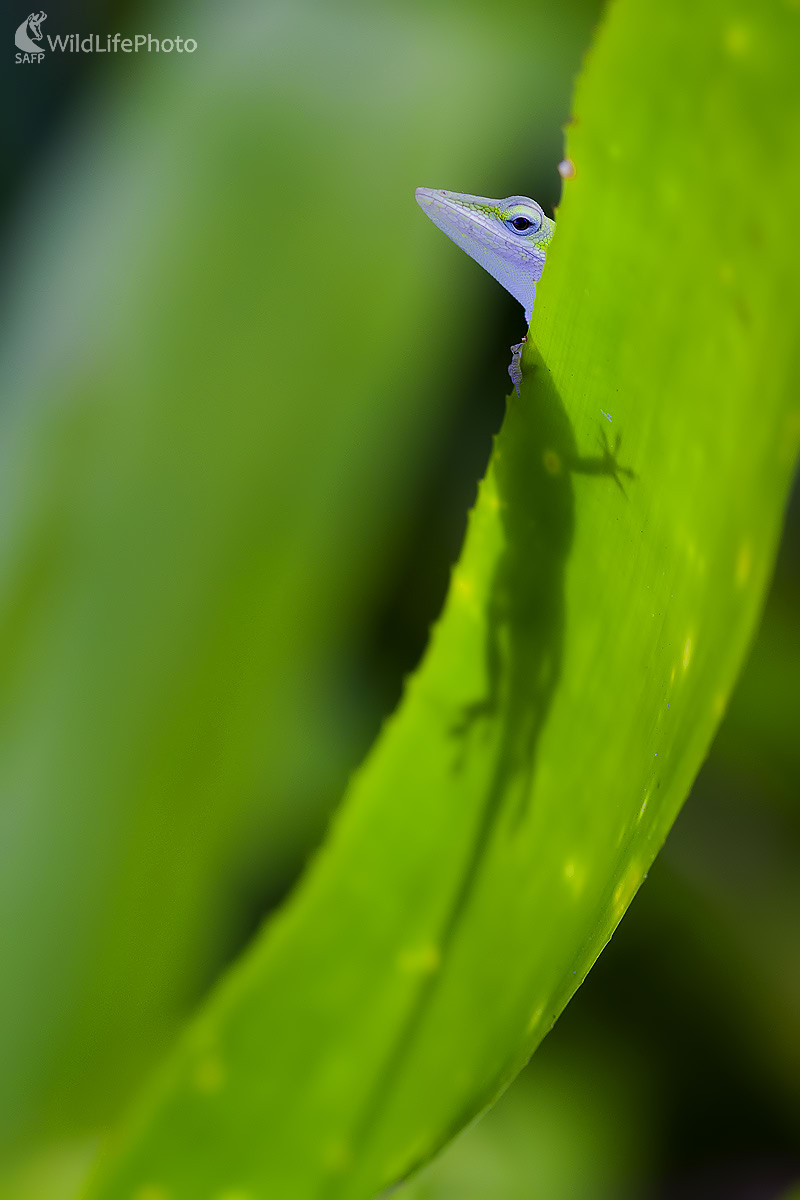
(524, 224)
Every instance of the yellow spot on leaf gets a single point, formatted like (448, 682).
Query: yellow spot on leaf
(536, 1018)
(552, 462)
(463, 585)
(420, 960)
(209, 1075)
(744, 564)
(687, 652)
(737, 40)
(626, 889)
(575, 876)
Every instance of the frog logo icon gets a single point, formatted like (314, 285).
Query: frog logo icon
(31, 28)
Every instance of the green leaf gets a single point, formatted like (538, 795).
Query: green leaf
(482, 860)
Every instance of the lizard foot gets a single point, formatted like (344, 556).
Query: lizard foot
(470, 715)
(515, 367)
(611, 466)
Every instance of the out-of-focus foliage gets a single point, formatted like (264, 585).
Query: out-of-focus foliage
(225, 333)
(473, 876)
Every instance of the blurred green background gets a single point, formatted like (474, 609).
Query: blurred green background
(217, 567)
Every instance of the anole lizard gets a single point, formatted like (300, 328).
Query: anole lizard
(509, 238)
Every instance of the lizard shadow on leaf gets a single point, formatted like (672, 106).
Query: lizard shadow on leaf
(535, 459)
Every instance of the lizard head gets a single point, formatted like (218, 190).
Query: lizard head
(509, 237)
